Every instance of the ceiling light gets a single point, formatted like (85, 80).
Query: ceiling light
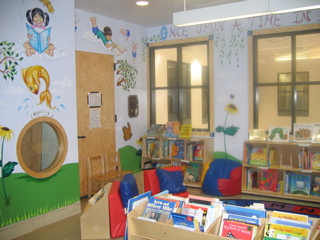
(239, 10)
(142, 3)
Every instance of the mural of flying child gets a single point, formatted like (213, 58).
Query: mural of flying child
(106, 37)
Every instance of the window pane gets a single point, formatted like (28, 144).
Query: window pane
(274, 56)
(267, 109)
(308, 55)
(194, 63)
(163, 70)
(167, 106)
(314, 100)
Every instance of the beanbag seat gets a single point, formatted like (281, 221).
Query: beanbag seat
(223, 178)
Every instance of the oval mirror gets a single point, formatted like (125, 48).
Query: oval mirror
(42, 147)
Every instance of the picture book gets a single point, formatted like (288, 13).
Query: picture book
(302, 132)
(279, 231)
(259, 157)
(190, 149)
(300, 184)
(316, 133)
(202, 200)
(159, 209)
(279, 134)
(237, 230)
(289, 222)
(185, 131)
(315, 190)
(153, 148)
(198, 154)
(290, 216)
(257, 135)
(251, 178)
(157, 130)
(243, 219)
(173, 129)
(183, 221)
(192, 172)
(245, 211)
(178, 149)
(268, 179)
(314, 160)
(272, 157)
(39, 41)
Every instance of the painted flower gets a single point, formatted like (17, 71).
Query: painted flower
(6, 133)
(231, 108)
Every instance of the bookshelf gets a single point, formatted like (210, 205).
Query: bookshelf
(161, 151)
(286, 162)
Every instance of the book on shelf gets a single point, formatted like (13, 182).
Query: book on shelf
(185, 131)
(183, 221)
(251, 178)
(173, 129)
(289, 222)
(290, 216)
(268, 179)
(190, 149)
(245, 211)
(279, 134)
(272, 157)
(315, 189)
(153, 148)
(302, 132)
(300, 184)
(198, 154)
(257, 135)
(258, 156)
(237, 230)
(159, 209)
(177, 149)
(314, 158)
(202, 200)
(192, 172)
(279, 231)
(316, 133)
(157, 130)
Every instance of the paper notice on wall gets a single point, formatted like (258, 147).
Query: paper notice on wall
(94, 117)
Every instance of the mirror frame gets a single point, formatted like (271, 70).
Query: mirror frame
(62, 147)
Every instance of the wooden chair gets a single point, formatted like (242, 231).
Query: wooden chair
(97, 173)
(113, 165)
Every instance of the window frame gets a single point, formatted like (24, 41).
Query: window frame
(252, 67)
(181, 42)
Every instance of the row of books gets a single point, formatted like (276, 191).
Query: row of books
(192, 213)
(302, 184)
(295, 183)
(170, 129)
(308, 160)
(197, 213)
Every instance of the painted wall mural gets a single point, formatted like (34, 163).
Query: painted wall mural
(38, 79)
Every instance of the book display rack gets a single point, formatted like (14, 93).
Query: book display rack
(284, 169)
(193, 153)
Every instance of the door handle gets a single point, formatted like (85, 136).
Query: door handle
(81, 136)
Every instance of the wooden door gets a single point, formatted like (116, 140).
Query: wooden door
(95, 74)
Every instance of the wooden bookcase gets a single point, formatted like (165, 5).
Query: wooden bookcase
(162, 145)
(289, 158)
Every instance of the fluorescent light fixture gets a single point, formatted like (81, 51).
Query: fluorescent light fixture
(142, 3)
(239, 10)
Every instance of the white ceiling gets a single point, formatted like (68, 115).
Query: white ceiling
(157, 13)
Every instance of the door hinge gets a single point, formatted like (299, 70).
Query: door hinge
(115, 118)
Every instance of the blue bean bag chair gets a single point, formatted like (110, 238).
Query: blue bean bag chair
(223, 178)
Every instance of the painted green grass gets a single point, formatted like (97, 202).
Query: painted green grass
(31, 197)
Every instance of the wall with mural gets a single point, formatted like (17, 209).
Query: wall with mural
(231, 109)
(127, 42)
(37, 69)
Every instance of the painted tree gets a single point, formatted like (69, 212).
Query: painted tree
(9, 59)
(128, 74)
